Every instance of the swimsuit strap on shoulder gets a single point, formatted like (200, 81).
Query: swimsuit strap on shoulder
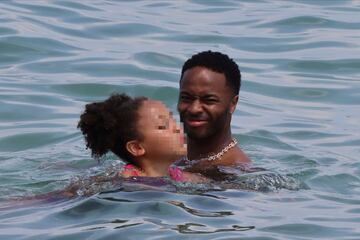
(131, 170)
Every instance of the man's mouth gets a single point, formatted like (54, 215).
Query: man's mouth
(196, 122)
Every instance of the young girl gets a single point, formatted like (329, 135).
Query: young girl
(140, 131)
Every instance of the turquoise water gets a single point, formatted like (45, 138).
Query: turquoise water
(298, 114)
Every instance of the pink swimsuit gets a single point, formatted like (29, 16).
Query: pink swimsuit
(175, 173)
(131, 170)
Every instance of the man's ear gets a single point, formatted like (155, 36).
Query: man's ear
(233, 103)
(135, 148)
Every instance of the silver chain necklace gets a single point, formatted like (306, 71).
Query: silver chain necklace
(221, 153)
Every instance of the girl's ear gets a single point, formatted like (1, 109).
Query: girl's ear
(135, 148)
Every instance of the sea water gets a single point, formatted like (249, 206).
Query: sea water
(298, 116)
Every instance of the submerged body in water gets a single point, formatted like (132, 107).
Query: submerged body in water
(220, 178)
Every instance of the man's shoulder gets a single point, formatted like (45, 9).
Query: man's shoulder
(238, 157)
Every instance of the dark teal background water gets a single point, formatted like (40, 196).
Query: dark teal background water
(298, 114)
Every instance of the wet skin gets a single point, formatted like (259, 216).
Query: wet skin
(162, 137)
(205, 105)
(161, 141)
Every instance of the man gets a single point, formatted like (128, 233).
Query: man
(209, 88)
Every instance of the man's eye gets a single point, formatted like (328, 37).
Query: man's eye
(162, 127)
(210, 100)
(185, 98)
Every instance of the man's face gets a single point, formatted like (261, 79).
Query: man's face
(205, 103)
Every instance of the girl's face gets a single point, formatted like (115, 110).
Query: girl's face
(162, 138)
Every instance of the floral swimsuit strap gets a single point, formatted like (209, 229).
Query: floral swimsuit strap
(176, 174)
(131, 170)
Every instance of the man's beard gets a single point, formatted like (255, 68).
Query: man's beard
(213, 128)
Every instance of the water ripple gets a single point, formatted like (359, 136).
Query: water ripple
(302, 23)
(297, 116)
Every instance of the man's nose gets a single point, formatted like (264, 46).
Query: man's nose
(195, 107)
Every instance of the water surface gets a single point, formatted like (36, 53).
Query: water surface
(298, 114)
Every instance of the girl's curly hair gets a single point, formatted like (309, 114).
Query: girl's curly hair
(110, 124)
